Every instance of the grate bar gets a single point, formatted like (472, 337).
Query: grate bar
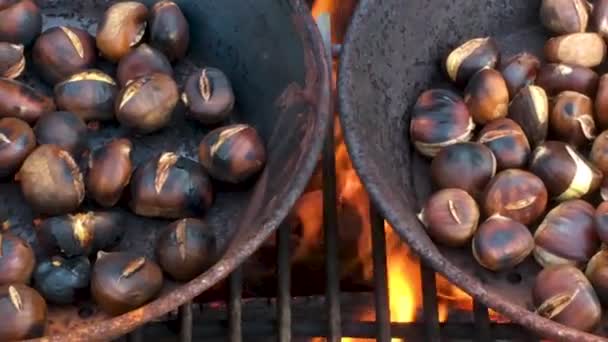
(235, 292)
(429, 303)
(482, 322)
(383, 321)
(284, 284)
(185, 317)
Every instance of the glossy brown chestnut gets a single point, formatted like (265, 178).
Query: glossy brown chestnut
(17, 141)
(564, 16)
(122, 27)
(468, 166)
(530, 110)
(90, 95)
(20, 22)
(516, 194)
(62, 51)
(208, 95)
(555, 78)
(584, 49)
(232, 154)
(12, 60)
(22, 101)
(564, 171)
(439, 119)
(597, 273)
(122, 281)
(51, 181)
(109, 173)
(63, 129)
(601, 221)
(17, 260)
(146, 104)
(450, 217)
(170, 186)
(601, 103)
(563, 294)
(142, 61)
(487, 96)
(571, 118)
(60, 280)
(169, 30)
(599, 152)
(467, 59)
(508, 143)
(23, 313)
(599, 17)
(520, 71)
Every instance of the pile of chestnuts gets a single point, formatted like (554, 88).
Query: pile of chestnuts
(519, 159)
(44, 146)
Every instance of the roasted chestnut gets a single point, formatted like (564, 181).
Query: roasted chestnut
(601, 103)
(62, 51)
(232, 154)
(17, 260)
(563, 294)
(601, 221)
(61, 280)
(142, 61)
(146, 104)
(123, 281)
(597, 273)
(21, 101)
(467, 59)
(63, 129)
(555, 78)
(17, 140)
(12, 60)
(439, 119)
(186, 249)
(170, 186)
(51, 181)
(508, 143)
(23, 313)
(450, 217)
(571, 118)
(599, 17)
(208, 96)
(516, 194)
(90, 95)
(584, 49)
(520, 71)
(564, 171)
(487, 96)
(20, 22)
(122, 27)
(169, 30)
(530, 110)
(564, 16)
(468, 166)
(109, 173)
(599, 152)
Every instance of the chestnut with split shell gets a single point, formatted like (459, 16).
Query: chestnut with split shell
(142, 61)
(23, 312)
(470, 57)
(530, 110)
(121, 29)
(571, 118)
(564, 16)
(599, 152)
(20, 22)
(487, 96)
(520, 71)
(17, 259)
(584, 49)
(169, 30)
(110, 169)
(555, 78)
(17, 141)
(89, 94)
(507, 141)
(21, 101)
(12, 60)
(208, 95)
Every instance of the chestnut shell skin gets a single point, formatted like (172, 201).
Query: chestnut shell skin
(555, 78)
(17, 141)
(470, 57)
(63, 129)
(169, 30)
(564, 16)
(519, 71)
(142, 61)
(122, 27)
(110, 169)
(208, 95)
(90, 95)
(586, 49)
(601, 103)
(601, 221)
(487, 96)
(571, 119)
(30, 321)
(508, 142)
(20, 22)
(61, 281)
(597, 273)
(599, 15)
(22, 101)
(530, 110)
(17, 260)
(12, 60)
(599, 152)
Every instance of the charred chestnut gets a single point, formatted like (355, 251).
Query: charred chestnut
(63, 129)
(22, 101)
(516, 194)
(530, 110)
(109, 173)
(508, 143)
(51, 181)
(208, 96)
(564, 16)
(563, 294)
(61, 280)
(233, 154)
(520, 71)
(599, 152)
(467, 59)
(601, 221)
(122, 27)
(147, 103)
(584, 49)
(169, 30)
(564, 171)
(555, 78)
(599, 17)
(601, 103)
(571, 119)
(23, 313)
(62, 51)
(17, 140)
(439, 119)
(20, 22)
(170, 186)
(142, 61)
(90, 95)
(17, 260)
(450, 217)
(597, 273)
(487, 96)
(12, 60)
(122, 282)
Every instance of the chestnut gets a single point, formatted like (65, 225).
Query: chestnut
(169, 30)
(599, 152)
(584, 49)
(555, 78)
(530, 110)
(170, 186)
(142, 61)
(123, 281)
(601, 103)
(571, 118)
(122, 27)
(468, 166)
(17, 260)
(563, 294)
(520, 71)
(567, 235)
(60, 280)
(109, 173)
(208, 96)
(601, 221)
(564, 16)
(22, 101)
(516, 194)
(232, 154)
(63, 129)
(62, 51)
(439, 119)
(597, 273)
(186, 248)
(450, 217)
(12, 60)
(20, 22)
(51, 181)
(146, 104)
(508, 143)
(487, 96)
(23, 312)
(467, 59)
(599, 17)
(90, 95)
(17, 140)
(564, 171)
